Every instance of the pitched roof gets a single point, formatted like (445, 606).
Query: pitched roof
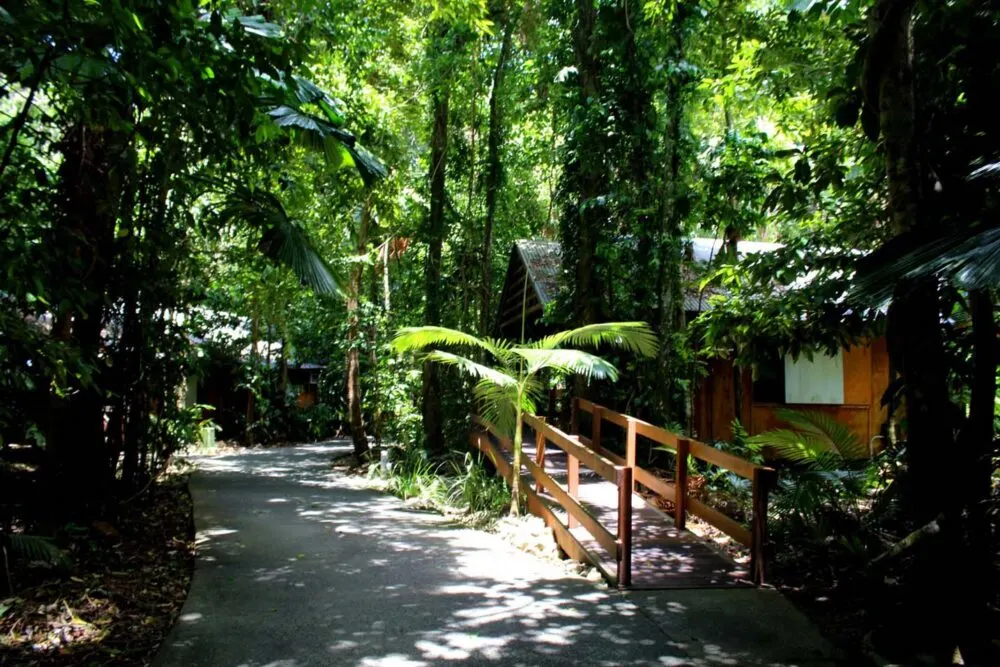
(543, 261)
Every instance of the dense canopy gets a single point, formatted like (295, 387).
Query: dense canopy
(218, 214)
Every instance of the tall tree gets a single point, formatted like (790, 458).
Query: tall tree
(358, 435)
(434, 232)
(494, 168)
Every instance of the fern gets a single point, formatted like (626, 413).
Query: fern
(815, 441)
(33, 548)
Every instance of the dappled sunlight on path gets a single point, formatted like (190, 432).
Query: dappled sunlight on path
(298, 566)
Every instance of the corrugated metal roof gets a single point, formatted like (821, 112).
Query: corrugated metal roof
(543, 261)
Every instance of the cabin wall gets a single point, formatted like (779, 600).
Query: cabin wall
(866, 377)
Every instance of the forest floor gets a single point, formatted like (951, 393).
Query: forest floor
(118, 596)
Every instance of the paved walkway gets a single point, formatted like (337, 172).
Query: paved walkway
(298, 567)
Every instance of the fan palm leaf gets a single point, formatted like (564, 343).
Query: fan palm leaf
(282, 240)
(970, 257)
(33, 548)
(409, 339)
(815, 441)
(635, 337)
(470, 367)
(567, 361)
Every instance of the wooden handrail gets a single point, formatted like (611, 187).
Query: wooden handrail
(573, 507)
(659, 435)
(619, 545)
(762, 477)
(572, 446)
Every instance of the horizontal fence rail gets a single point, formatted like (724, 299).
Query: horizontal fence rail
(618, 543)
(761, 477)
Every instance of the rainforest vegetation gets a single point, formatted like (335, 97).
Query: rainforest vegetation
(215, 216)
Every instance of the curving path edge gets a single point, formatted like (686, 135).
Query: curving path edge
(298, 566)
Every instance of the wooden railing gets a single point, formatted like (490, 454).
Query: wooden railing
(619, 543)
(762, 477)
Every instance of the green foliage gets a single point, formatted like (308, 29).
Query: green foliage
(507, 392)
(816, 441)
(462, 486)
(32, 548)
(474, 487)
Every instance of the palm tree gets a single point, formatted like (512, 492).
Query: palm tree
(510, 388)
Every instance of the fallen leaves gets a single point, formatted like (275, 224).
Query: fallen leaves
(125, 592)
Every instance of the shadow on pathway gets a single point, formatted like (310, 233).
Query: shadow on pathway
(297, 566)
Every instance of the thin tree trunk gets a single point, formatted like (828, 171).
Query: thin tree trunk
(670, 301)
(431, 391)
(358, 435)
(92, 181)
(586, 175)
(254, 340)
(494, 174)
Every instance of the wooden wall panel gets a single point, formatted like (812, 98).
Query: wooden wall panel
(723, 397)
(855, 417)
(857, 375)
(880, 377)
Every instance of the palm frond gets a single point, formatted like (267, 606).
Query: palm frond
(497, 405)
(470, 367)
(815, 441)
(409, 339)
(258, 25)
(635, 337)
(970, 257)
(288, 244)
(34, 548)
(338, 145)
(824, 426)
(369, 167)
(282, 240)
(567, 361)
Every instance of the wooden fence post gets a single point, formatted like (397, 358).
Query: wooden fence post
(573, 484)
(623, 478)
(681, 483)
(763, 480)
(630, 446)
(539, 453)
(595, 430)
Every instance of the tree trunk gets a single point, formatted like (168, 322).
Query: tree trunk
(91, 181)
(515, 476)
(494, 174)
(670, 302)
(591, 172)
(916, 346)
(584, 213)
(252, 363)
(435, 231)
(358, 435)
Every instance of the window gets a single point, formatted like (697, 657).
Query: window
(784, 380)
(820, 381)
(769, 382)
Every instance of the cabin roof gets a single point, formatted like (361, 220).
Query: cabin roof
(543, 262)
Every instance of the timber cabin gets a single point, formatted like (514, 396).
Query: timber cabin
(848, 386)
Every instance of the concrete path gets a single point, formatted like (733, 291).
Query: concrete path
(298, 567)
